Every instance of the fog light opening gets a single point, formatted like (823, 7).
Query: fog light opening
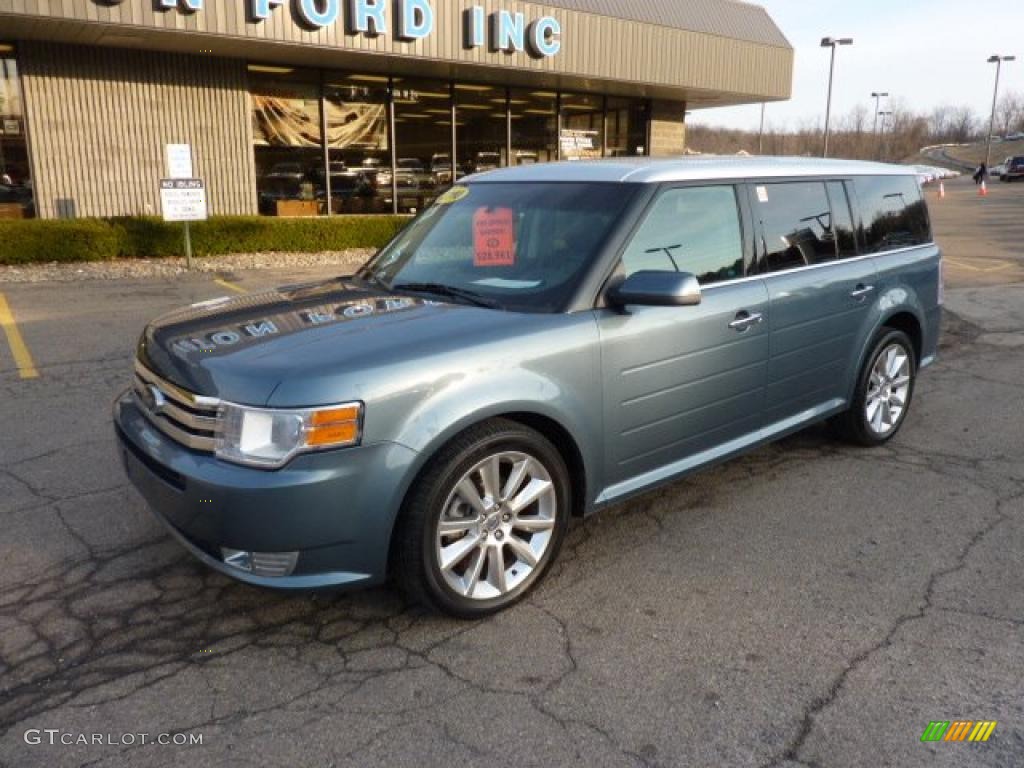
(272, 564)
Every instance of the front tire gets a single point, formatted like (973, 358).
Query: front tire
(885, 388)
(484, 521)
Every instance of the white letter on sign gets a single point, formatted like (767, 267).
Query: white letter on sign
(473, 27)
(309, 12)
(261, 8)
(367, 17)
(416, 20)
(508, 32)
(543, 37)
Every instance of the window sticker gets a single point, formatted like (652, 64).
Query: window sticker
(762, 194)
(453, 195)
(494, 237)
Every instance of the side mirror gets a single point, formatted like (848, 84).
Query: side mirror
(657, 289)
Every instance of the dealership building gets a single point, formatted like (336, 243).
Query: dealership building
(324, 107)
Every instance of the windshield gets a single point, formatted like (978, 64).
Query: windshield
(519, 246)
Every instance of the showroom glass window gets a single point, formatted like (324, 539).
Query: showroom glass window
(627, 127)
(693, 229)
(288, 145)
(796, 224)
(534, 117)
(423, 141)
(356, 119)
(480, 133)
(893, 213)
(582, 126)
(15, 176)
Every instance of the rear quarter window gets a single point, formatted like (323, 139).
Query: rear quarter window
(893, 213)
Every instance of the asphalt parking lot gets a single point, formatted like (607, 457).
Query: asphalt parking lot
(810, 604)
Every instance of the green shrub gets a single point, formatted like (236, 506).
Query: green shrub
(35, 240)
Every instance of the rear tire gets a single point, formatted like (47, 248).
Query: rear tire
(885, 389)
(484, 521)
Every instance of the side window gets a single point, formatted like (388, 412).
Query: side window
(893, 213)
(696, 230)
(796, 224)
(842, 220)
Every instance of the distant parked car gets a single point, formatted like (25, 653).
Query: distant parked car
(292, 171)
(441, 168)
(486, 161)
(1013, 169)
(1015, 137)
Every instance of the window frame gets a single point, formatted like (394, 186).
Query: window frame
(847, 186)
(615, 270)
(760, 243)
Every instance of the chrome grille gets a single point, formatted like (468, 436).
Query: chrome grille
(186, 418)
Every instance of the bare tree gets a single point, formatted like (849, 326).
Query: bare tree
(902, 134)
(962, 124)
(1009, 113)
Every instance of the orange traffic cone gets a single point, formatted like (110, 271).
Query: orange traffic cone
(983, 189)
(942, 191)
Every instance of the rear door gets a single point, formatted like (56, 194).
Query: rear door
(682, 382)
(819, 293)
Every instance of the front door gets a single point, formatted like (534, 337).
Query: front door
(682, 382)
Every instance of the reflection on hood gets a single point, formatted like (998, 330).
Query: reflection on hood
(176, 343)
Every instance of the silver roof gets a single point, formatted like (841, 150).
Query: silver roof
(724, 18)
(647, 170)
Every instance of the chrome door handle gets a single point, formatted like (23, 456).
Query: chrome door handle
(745, 320)
(861, 291)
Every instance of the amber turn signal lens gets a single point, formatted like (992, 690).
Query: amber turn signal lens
(333, 434)
(335, 415)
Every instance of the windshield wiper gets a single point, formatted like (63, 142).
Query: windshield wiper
(450, 291)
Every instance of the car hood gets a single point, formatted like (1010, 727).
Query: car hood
(243, 348)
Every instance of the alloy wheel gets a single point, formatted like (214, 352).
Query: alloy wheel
(496, 525)
(888, 390)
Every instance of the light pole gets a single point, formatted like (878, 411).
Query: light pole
(831, 42)
(998, 61)
(760, 135)
(878, 105)
(885, 115)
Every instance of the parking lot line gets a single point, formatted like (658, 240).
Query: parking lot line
(1001, 265)
(229, 285)
(22, 357)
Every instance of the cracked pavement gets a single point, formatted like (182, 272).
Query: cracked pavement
(810, 604)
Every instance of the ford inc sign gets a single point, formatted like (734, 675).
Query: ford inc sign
(408, 20)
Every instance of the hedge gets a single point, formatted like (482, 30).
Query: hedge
(45, 240)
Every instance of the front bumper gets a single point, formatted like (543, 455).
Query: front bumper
(336, 508)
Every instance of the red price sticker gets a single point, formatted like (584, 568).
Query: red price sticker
(494, 237)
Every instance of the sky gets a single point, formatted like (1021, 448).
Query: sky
(923, 52)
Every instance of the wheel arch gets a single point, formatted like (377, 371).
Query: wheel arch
(552, 429)
(908, 322)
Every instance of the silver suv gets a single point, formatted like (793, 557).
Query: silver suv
(542, 342)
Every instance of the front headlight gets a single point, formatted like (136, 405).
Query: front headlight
(270, 437)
